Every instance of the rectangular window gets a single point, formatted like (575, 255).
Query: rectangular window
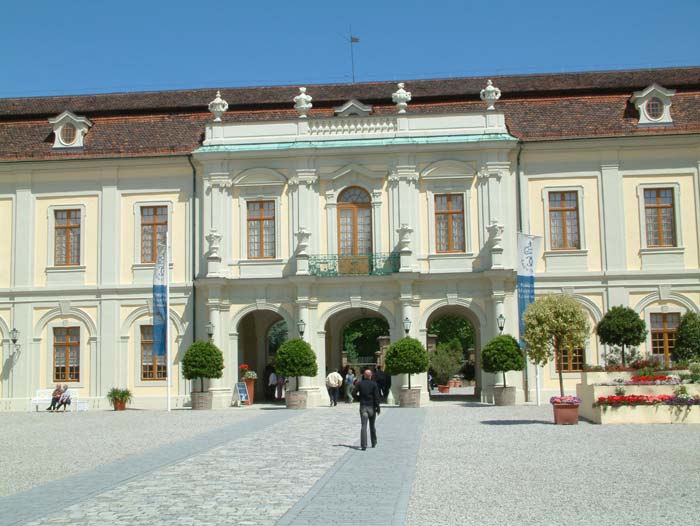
(261, 229)
(449, 223)
(664, 327)
(659, 217)
(573, 361)
(67, 237)
(563, 221)
(66, 354)
(153, 367)
(154, 231)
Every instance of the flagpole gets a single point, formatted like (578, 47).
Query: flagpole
(352, 56)
(167, 316)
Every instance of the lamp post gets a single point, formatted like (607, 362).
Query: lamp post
(406, 325)
(501, 321)
(210, 330)
(301, 327)
(14, 336)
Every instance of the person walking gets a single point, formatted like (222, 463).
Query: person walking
(349, 384)
(380, 378)
(333, 383)
(367, 391)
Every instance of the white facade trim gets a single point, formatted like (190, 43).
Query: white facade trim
(64, 274)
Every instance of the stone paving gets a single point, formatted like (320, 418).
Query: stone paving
(448, 463)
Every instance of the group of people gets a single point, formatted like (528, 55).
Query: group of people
(275, 385)
(60, 397)
(344, 380)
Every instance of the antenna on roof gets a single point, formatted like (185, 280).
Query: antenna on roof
(352, 40)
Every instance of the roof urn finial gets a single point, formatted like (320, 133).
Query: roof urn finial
(302, 103)
(490, 94)
(401, 97)
(218, 106)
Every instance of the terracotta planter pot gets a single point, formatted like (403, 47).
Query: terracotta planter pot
(443, 388)
(250, 384)
(409, 398)
(296, 399)
(504, 395)
(202, 400)
(119, 405)
(565, 414)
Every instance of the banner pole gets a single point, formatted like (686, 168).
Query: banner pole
(168, 368)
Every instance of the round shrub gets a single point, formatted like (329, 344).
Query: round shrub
(502, 354)
(446, 360)
(202, 360)
(406, 356)
(295, 358)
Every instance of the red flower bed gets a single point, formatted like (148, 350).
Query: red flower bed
(650, 378)
(618, 400)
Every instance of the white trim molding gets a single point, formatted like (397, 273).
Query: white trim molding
(64, 274)
(143, 272)
(661, 258)
(567, 260)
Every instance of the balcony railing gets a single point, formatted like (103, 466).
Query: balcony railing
(330, 265)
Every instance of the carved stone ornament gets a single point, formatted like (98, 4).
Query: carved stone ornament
(303, 237)
(490, 94)
(485, 173)
(401, 98)
(495, 232)
(213, 238)
(218, 107)
(404, 232)
(302, 103)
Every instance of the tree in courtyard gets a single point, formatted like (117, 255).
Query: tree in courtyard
(406, 356)
(449, 327)
(688, 338)
(445, 361)
(502, 354)
(295, 358)
(554, 325)
(622, 327)
(276, 336)
(360, 336)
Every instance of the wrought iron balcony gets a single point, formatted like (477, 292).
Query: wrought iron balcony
(330, 265)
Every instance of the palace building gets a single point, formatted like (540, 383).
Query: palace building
(332, 203)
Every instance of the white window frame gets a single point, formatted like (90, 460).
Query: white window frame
(656, 308)
(676, 187)
(64, 274)
(271, 193)
(136, 328)
(449, 188)
(137, 229)
(581, 221)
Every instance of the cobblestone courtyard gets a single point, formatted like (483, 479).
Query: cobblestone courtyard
(448, 463)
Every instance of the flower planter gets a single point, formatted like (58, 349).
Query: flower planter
(647, 414)
(202, 400)
(119, 405)
(443, 388)
(504, 395)
(250, 385)
(409, 398)
(565, 414)
(296, 399)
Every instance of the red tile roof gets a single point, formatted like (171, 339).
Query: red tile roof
(536, 107)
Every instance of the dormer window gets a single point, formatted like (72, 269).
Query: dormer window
(69, 130)
(353, 107)
(654, 105)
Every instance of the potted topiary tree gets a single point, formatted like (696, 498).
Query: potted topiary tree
(621, 326)
(202, 360)
(554, 325)
(444, 362)
(502, 354)
(407, 356)
(296, 358)
(688, 338)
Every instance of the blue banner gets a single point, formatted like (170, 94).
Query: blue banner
(526, 295)
(528, 252)
(160, 304)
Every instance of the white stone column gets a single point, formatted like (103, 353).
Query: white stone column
(222, 394)
(315, 397)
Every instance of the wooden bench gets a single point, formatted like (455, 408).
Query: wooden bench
(43, 398)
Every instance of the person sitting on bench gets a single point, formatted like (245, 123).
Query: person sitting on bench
(55, 397)
(65, 398)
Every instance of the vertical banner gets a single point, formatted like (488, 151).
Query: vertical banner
(160, 303)
(528, 252)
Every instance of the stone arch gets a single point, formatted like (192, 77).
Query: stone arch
(674, 297)
(478, 313)
(448, 169)
(4, 331)
(146, 311)
(236, 320)
(258, 177)
(588, 304)
(58, 313)
(335, 309)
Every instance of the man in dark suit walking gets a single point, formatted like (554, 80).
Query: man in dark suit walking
(367, 392)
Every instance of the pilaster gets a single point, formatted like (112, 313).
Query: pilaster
(613, 220)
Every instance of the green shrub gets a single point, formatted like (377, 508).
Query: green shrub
(688, 338)
(202, 360)
(502, 354)
(406, 356)
(621, 327)
(446, 361)
(119, 395)
(295, 358)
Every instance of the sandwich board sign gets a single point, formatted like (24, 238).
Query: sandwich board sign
(242, 393)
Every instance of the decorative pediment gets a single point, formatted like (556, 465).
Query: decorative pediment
(448, 169)
(654, 105)
(259, 177)
(69, 130)
(356, 169)
(353, 107)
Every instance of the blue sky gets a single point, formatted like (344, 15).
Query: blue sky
(76, 47)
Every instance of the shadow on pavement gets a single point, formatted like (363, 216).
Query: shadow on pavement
(347, 446)
(515, 422)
